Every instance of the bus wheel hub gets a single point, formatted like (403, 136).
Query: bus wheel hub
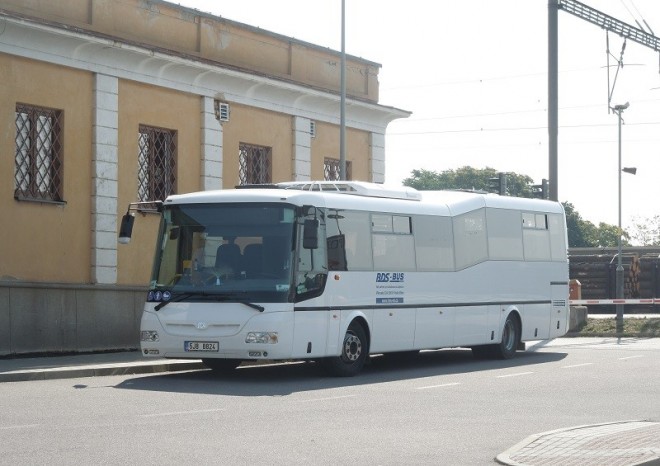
(352, 347)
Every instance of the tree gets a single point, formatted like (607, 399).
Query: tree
(646, 231)
(583, 233)
(580, 232)
(468, 178)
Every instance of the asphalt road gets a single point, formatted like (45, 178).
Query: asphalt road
(438, 408)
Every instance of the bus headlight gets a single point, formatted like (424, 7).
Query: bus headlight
(149, 335)
(261, 337)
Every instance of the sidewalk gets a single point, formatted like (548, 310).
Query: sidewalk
(625, 443)
(21, 369)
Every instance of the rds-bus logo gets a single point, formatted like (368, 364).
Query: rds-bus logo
(395, 277)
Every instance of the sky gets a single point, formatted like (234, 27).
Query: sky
(474, 75)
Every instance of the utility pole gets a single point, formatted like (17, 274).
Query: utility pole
(342, 111)
(619, 264)
(553, 99)
(600, 19)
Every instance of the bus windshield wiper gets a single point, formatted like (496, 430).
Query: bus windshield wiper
(181, 297)
(253, 306)
(216, 297)
(242, 301)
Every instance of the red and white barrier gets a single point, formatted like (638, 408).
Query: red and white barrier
(595, 302)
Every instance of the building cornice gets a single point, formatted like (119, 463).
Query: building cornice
(85, 50)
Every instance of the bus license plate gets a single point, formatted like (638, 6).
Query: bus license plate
(201, 346)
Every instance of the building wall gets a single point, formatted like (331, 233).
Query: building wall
(161, 108)
(326, 144)
(259, 127)
(45, 241)
(110, 66)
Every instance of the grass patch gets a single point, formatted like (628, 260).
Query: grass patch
(632, 327)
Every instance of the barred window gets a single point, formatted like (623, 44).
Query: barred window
(331, 170)
(157, 163)
(254, 164)
(39, 152)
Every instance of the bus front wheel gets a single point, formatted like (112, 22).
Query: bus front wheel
(354, 352)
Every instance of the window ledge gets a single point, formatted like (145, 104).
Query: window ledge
(22, 198)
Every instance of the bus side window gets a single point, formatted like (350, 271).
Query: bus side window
(337, 252)
(312, 267)
(352, 232)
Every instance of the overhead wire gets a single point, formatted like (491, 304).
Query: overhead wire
(510, 112)
(517, 128)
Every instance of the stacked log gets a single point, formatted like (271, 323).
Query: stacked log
(593, 273)
(595, 268)
(597, 275)
(649, 280)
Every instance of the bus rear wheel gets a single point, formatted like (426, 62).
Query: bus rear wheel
(354, 352)
(510, 338)
(506, 349)
(221, 365)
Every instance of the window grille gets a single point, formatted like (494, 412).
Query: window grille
(255, 164)
(157, 163)
(39, 153)
(331, 170)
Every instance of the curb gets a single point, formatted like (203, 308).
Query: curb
(505, 457)
(99, 370)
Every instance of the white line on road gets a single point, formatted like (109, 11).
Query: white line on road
(631, 357)
(179, 413)
(578, 365)
(24, 426)
(327, 399)
(517, 374)
(439, 386)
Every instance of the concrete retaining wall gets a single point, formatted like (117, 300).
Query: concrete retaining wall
(56, 318)
(576, 317)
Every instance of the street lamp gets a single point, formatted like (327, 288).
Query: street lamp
(618, 109)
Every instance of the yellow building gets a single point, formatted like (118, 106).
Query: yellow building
(106, 102)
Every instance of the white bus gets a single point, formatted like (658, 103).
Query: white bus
(335, 272)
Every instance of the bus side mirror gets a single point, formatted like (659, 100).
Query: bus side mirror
(311, 234)
(126, 229)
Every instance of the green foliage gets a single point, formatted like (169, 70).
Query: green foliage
(468, 178)
(632, 327)
(582, 233)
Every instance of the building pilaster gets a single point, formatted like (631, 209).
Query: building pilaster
(105, 141)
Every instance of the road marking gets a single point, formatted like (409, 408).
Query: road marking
(631, 357)
(578, 365)
(517, 374)
(24, 426)
(439, 386)
(179, 413)
(327, 399)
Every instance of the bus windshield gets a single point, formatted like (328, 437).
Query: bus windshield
(241, 252)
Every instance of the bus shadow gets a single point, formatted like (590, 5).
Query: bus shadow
(290, 378)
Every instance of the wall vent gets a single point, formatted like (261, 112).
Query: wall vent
(221, 111)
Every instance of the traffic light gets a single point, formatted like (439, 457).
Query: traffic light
(542, 190)
(545, 189)
(498, 184)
